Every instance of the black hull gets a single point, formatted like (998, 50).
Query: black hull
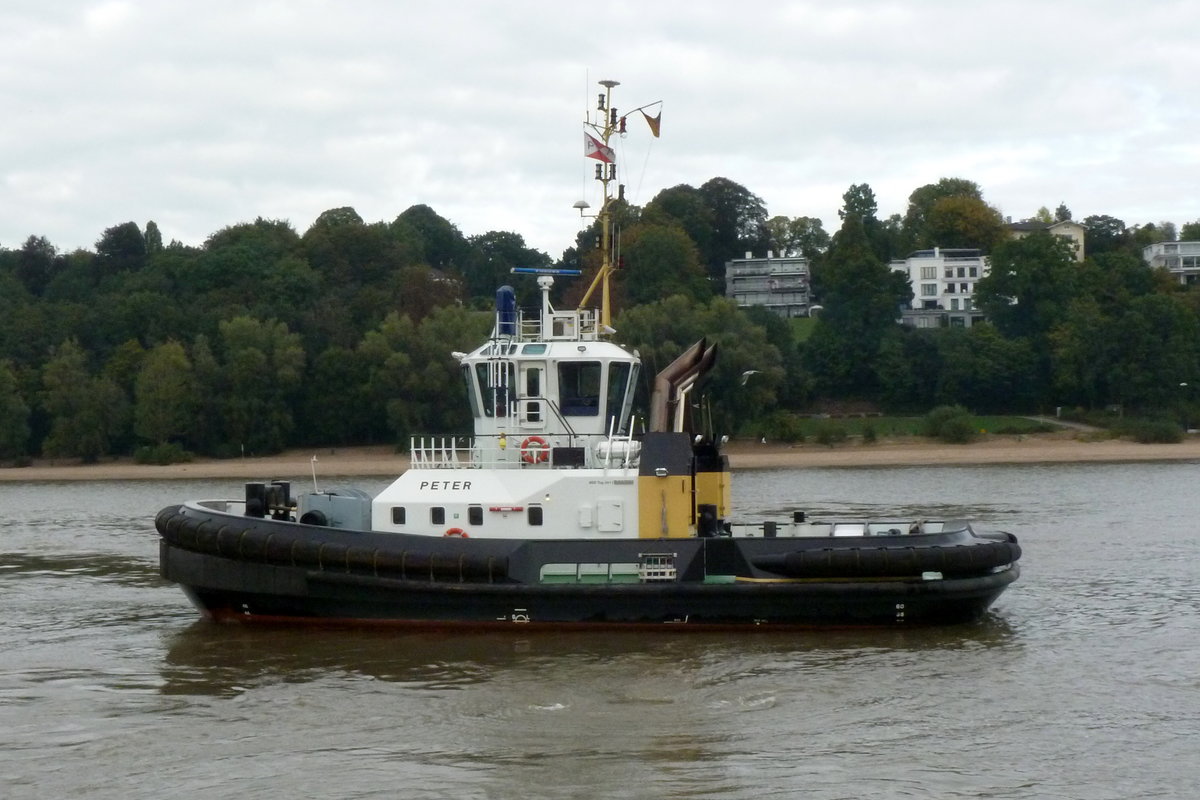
(274, 571)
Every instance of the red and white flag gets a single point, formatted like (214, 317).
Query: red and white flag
(594, 148)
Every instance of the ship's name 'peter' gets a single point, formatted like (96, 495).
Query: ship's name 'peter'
(446, 485)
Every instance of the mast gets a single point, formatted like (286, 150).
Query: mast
(605, 122)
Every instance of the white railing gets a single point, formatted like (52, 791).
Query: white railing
(441, 452)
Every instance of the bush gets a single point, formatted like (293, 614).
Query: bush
(1155, 431)
(951, 424)
(780, 426)
(869, 436)
(831, 433)
(162, 454)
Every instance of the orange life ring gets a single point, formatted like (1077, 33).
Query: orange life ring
(534, 450)
(459, 532)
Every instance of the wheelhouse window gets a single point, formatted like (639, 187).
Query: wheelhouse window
(534, 515)
(437, 515)
(472, 395)
(619, 403)
(579, 388)
(475, 515)
(495, 381)
(397, 515)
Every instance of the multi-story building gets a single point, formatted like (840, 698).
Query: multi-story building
(1068, 229)
(777, 283)
(1181, 259)
(943, 282)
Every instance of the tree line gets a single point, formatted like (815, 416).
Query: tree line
(263, 338)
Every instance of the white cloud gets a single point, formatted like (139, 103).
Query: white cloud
(203, 116)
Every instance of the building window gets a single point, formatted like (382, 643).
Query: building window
(928, 273)
(965, 288)
(949, 273)
(949, 288)
(974, 272)
(928, 289)
(962, 272)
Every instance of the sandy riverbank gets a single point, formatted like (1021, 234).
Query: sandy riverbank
(382, 461)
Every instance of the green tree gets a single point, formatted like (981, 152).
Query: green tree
(860, 299)
(386, 362)
(14, 415)
(86, 412)
(963, 221)
(122, 248)
(434, 386)
(153, 239)
(1114, 278)
(164, 394)
(492, 257)
(206, 433)
(685, 206)
(264, 364)
(859, 201)
(739, 225)
(1083, 354)
(37, 262)
(1105, 234)
(1159, 339)
(917, 232)
(883, 237)
(1144, 235)
(798, 236)
(343, 250)
(1031, 283)
(660, 261)
(235, 263)
(412, 381)
(335, 408)
(985, 371)
(1190, 232)
(441, 244)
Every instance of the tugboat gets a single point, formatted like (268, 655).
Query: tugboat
(557, 513)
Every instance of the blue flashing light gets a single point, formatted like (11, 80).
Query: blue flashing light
(544, 271)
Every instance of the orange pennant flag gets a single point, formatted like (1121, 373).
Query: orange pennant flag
(653, 122)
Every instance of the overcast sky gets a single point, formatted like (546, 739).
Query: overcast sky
(203, 115)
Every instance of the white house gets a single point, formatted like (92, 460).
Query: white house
(1181, 259)
(943, 282)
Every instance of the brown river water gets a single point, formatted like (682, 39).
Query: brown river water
(1083, 682)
